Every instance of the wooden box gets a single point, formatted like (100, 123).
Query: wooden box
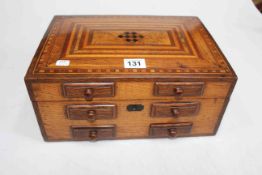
(121, 77)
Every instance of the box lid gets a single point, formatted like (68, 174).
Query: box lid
(96, 46)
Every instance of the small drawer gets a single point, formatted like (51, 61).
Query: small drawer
(170, 129)
(93, 133)
(178, 89)
(88, 90)
(91, 112)
(174, 109)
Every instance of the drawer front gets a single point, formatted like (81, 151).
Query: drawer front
(93, 133)
(178, 89)
(170, 129)
(121, 91)
(88, 90)
(175, 109)
(91, 112)
(130, 123)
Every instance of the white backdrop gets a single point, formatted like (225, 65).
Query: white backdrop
(236, 25)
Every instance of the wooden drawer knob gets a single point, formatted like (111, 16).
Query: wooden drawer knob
(178, 91)
(89, 93)
(172, 132)
(175, 112)
(91, 115)
(93, 135)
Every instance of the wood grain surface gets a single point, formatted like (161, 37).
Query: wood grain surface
(81, 89)
(97, 45)
(134, 124)
(125, 91)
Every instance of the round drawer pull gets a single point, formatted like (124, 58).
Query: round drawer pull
(178, 91)
(89, 94)
(172, 132)
(91, 115)
(175, 112)
(91, 112)
(93, 135)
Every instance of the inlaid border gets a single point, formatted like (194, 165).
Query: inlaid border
(52, 50)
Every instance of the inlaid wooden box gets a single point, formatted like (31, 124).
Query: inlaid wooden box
(121, 77)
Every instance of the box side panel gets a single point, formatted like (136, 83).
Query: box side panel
(40, 120)
(227, 99)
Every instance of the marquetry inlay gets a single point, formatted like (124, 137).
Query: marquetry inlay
(131, 36)
(96, 45)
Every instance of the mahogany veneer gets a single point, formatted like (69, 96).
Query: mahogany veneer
(81, 89)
